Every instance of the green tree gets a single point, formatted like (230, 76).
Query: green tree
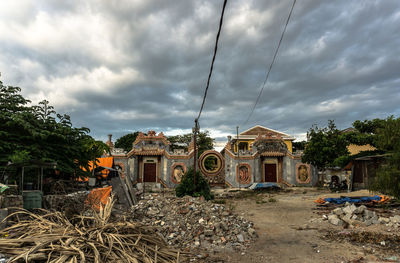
(368, 126)
(38, 132)
(388, 136)
(387, 179)
(299, 146)
(187, 187)
(204, 141)
(324, 145)
(13, 117)
(365, 132)
(125, 142)
(180, 141)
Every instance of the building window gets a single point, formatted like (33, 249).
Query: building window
(243, 146)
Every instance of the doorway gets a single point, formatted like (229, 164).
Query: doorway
(150, 172)
(270, 172)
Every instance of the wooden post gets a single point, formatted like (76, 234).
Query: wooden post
(22, 180)
(41, 178)
(195, 152)
(237, 147)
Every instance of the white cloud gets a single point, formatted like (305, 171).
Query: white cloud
(64, 91)
(129, 115)
(144, 63)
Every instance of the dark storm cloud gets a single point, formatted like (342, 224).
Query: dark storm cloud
(121, 66)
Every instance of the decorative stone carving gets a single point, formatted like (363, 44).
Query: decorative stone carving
(270, 145)
(177, 171)
(243, 173)
(211, 164)
(118, 151)
(303, 173)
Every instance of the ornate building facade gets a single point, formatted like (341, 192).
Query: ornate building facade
(256, 155)
(151, 161)
(259, 155)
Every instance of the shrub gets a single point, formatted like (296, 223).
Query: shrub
(187, 187)
(387, 179)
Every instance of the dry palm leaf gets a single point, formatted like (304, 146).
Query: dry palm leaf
(51, 237)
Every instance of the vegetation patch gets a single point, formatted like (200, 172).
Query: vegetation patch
(187, 186)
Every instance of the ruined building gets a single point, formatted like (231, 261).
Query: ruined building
(257, 155)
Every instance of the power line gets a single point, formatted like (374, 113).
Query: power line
(270, 66)
(213, 59)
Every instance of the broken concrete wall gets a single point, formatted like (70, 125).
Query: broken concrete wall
(327, 174)
(11, 201)
(122, 162)
(133, 170)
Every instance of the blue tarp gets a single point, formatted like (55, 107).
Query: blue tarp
(256, 186)
(343, 200)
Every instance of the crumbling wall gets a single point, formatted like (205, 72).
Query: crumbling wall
(133, 170)
(123, 164)
(11, 201)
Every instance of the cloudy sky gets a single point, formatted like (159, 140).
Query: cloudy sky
(123, 65)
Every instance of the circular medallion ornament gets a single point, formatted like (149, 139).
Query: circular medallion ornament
(211, 163)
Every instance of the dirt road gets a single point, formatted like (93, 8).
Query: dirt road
(286, 234)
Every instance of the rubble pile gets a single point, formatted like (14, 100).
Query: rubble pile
(52, 237)
(352, 215)
(369, 240)
(190, 222)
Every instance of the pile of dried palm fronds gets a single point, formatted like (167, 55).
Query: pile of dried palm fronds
(51, 237)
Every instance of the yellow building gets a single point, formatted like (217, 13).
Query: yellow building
(246, 139)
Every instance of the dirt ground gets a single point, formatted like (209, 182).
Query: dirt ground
(287, 233)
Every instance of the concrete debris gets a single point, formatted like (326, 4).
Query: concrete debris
(190, 222)
(3, 259)
(335, 220)
(349, 209)
(361, 215)
(338, 211)
(395, 219)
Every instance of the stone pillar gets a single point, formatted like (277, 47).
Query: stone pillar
(109, 142)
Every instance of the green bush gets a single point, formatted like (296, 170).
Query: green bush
(187, 187)
(387, 179)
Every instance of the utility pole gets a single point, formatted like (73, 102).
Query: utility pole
(237, 147)
(195, 130)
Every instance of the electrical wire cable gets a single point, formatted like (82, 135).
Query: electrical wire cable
(270, 66)
(213, 59)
